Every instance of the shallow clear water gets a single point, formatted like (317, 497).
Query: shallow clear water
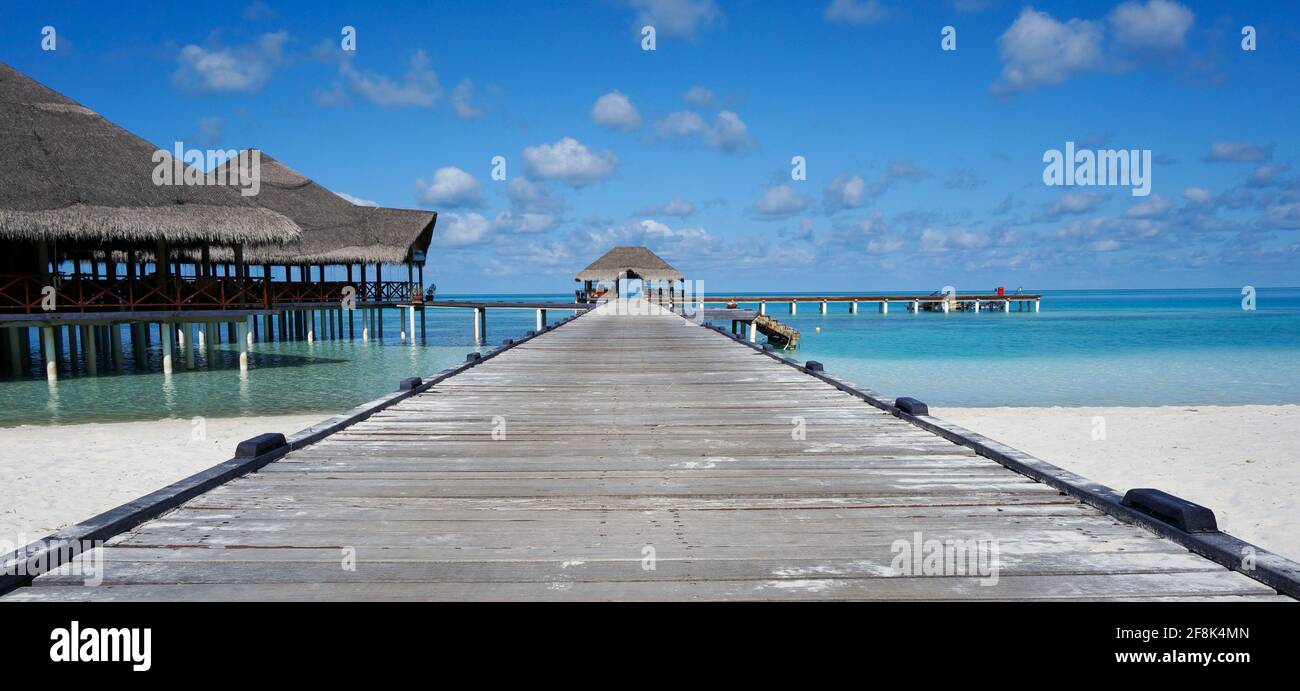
(1150, 347)
(284, 377)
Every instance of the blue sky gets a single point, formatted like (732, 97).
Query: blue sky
(924, 166)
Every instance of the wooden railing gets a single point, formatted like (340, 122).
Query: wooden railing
(25, 294)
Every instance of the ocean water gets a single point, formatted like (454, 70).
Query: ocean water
(1115, 347)
(1104, 347)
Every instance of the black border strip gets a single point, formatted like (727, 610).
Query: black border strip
(49, 553)
(1269, 568)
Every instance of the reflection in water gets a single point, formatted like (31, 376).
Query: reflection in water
(52, 402)
(292, 377)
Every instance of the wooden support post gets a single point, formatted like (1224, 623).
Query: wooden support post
(410, 330)
(242, 328)
(310, 321)
(91, 350)
(753, 332)
(115, 345)
(51, 353)
(541, 319)
(17, 350)
(189, 345)
(166, 332)
(480, 325)
(762, 307)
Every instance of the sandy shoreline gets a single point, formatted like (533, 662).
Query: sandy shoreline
(1241, 461)
(53, 476)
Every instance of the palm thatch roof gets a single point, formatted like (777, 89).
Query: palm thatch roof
(71, 174)
(336, 231)
(637, 262)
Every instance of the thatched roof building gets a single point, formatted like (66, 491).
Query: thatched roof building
(336, 231)
(629, 262)
(72, 175)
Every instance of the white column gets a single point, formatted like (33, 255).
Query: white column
(309, 317)
(823, 307)
(884, 307)
(410, 321)
(1036, 305)
(945, 306)
(1006, 306)
(853, 307)
(753, 332)
(541, 319)
(241, 330)
(165, 330)
(762, 307)
(480, 325)
(916, 306)
(51, 355)
(794, 307)
(977, 307)
(248, 328)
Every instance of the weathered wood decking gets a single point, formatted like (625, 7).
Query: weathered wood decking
(622, 438)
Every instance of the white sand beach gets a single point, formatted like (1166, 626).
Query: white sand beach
(1241, 461)
(52, 476)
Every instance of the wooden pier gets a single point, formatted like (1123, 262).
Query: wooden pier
(640, 457)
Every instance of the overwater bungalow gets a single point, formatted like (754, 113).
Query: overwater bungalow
(605, 277)
(83, 226)
(342, 246)
(92, 242)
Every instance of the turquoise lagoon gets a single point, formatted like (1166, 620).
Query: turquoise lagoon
(1104, 347)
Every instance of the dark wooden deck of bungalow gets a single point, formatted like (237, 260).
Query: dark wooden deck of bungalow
(633, 458)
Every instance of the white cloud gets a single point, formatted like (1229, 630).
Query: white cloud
(678, 207)
(780, 201)
(845, 192)
(239, 69)
(462, 101)
(451, 187)
(700, 97)
(1239, 152)
(526, 195)
(853, 191)
(1157, 25)
(1154, 206)
(357, 200)
(1070, 204)
(958, 238)
(526, 222)
(1267, 175)
(457, 230)
(727, 133)
(569, 161)
(1198, 195)
(418, 89)
(672, 18)
(615, 111)
(855, 12)
(1039, 49)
